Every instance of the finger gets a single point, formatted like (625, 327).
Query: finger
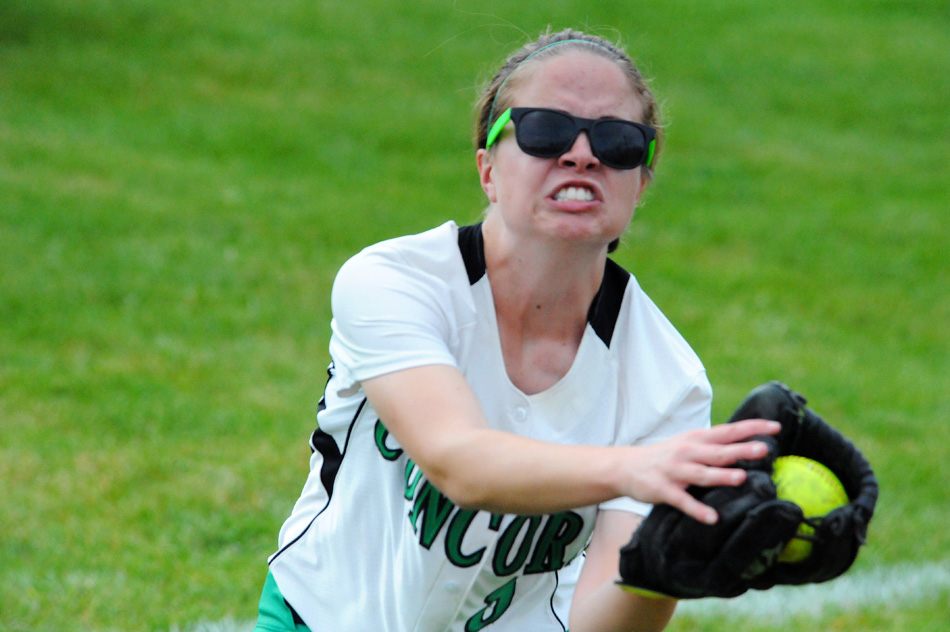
(742, 430)
(683, 501)
(719, 455)
(703, 476)
(727, 455)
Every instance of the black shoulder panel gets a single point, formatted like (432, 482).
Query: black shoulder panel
(605, 307)
(472, 248)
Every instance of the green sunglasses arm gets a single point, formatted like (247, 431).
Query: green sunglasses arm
(495, 130)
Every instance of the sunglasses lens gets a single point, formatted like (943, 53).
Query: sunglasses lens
(549, 134)
(619, 144)
(545, 134)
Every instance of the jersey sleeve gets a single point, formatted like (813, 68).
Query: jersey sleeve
(391, 313)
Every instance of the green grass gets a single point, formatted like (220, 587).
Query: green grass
(180, 180)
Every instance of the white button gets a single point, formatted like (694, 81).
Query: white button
(520, 413)
(451, 587)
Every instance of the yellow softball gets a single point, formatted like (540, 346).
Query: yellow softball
(811, 486)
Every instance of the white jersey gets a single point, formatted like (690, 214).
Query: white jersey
(371, 544)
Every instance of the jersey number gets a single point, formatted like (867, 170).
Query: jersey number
(496, 603)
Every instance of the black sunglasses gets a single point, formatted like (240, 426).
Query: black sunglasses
(544, 133)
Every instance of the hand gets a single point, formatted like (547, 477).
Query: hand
(660, 473)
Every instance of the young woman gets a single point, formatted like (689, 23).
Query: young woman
(503, 396)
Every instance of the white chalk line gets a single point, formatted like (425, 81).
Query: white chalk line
(895, 586)
(225, 625)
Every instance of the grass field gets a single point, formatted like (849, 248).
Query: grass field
(179, 181)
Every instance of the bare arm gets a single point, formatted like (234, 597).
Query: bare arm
(600, 605)
(434, 415)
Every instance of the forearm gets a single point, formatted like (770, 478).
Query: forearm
(481, 468)
(612, 609)
(442, 428)
(599, 604)
(505, 473)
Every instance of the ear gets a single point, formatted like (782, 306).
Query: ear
(483, 160)
(644, 181)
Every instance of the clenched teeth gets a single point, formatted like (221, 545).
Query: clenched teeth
(574, 194)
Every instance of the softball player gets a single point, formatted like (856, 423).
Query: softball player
(503, 396)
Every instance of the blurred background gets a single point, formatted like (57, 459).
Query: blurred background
(180, 180)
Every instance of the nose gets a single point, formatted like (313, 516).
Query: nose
(580, 156)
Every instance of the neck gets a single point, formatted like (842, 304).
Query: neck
(545, 283)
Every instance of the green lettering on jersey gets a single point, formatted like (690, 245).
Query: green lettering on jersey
(458, 526)
(414, 473)
(560, 530)
(496, 520)
(390, 454)
(434, 509)
(496, 603)
(502, 563)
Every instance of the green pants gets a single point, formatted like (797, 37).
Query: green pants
(274, 614)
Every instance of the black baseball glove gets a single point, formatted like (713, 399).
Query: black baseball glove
(674, 555)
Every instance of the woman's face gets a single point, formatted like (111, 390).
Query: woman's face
(571, 197)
